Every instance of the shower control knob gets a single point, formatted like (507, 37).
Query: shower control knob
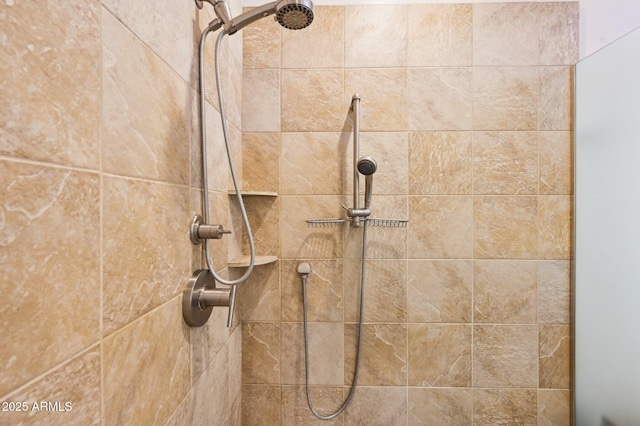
(200, 231)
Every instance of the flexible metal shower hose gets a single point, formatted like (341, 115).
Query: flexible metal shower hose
(354, 383)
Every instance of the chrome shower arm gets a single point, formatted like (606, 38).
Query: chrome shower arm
(250, 17)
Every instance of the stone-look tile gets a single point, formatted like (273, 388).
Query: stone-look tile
(554, 407)
(383, 355)
(76, 382)
(555, 227)
(504, 407)
(295, 409)
(326, 353)
(381, 405)
(312, 163)
(505, 163)
(145, 110)
(505, 356)
(260, 100)
(367, 40)
(261, 161)
(50, 274)
(144, 246)
(261, 405)
(231, 79)
(556, 98)
(153, 354)
(505, 34)
(505, 227)
(556, 153)
(383, 242)
(504, 292)
(440, 35)
(440, 406)
(439, 355)
(324, 291)
(259, 296)
(320, 45)
(263, 214)
(302, 241)
(218, 177)
(555, 356)
(40, 120)
(440, 99)
(260, 353)
(558, 33)
(440, 163)
(210, 405)
(390, 151)
(441, 227)
(383, 106)
(261, 44)
(234, 348)
(554, 292)
(313, 100)
(505, 98)
(386, 290)
(439, 291)
(167, 28)
(207, 341)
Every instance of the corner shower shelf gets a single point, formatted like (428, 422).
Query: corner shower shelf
(257, 193)
(243, 261)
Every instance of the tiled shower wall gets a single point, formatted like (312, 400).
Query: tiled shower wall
(99, 180)
(467, 110)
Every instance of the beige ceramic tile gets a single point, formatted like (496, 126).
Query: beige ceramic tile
(556, 156)
(156, 383)
(376, 36)
(50, 274)
(505, 163)
(144, 245)
(303, 241)
(312, 163)
(75, 386)
(440, 406)
(261, 100)
(505, 356)
(207, 341)
(555, 227)
(234, 348)
(390, 151)
(505, 227)
(554, 292)
(554, 407)
(559, 33)
(440, 99)
(504, 292)
(439, 355)
(505, 98)
(263, 214)
(504, 407)
(440, 163)
(261, 161)
(295, 408)
(320, 45)
(218, 176)
(439, 291)
(556, 98)
(145, 110)
(261, 353)
(555, 356)
(210, 406)
(40, 120)
(324, 291)
(377, 405)
(261, 405)
(442, 227)
(383, 106)
(440, 35)
(259, 297)
(383, 355)
(313, 100)
(386, 290)
(505, 34)
(261, 44)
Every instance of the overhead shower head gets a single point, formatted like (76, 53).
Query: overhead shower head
(294, 14)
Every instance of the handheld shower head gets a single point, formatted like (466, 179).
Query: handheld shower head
(367, 166)
(294, 14)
